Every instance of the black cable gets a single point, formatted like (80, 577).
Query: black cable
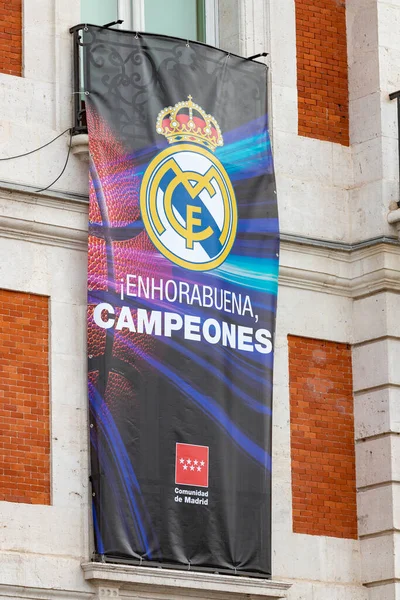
(36, 149)
(64, 167)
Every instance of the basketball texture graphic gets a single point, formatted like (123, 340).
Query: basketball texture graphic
(114, 211)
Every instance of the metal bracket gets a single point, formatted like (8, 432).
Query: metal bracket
(259, 56)
(119, 22)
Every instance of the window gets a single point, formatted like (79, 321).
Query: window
(99, 13)
(191, 19)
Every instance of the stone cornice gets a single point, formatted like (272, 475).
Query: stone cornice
(41, 593)
(353, 272)
(27, 193)
(330, 267)
(43, 233)
(200, 585)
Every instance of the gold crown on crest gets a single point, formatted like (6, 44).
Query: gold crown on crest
(188, 122)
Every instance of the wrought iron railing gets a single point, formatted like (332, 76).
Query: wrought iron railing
(396, 96)
(79, 116)
(83, 38)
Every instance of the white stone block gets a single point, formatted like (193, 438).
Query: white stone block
(347, 570)
(383, 306)
(386, 591)
(301, 590)
(229, 19)
(396, 505)
(17, 136)
(281, 461)
(254, 26)
(42, 529)
(67, 13)
(70, 451)
(312, 209)
(67, 486)
(68, 329)
(374, 364)
(365, 122)
(397, 553)
(281, 364)
(378, 461)
(39, 65)
(299, 555)
(391, 2)
(47, 270)
(26, 103)
(392, 312)
(366, 328)
(377, 412)
(75, 177)
(23, 270)
(388, 71)
(368, 161)
(369, 209)
(283, 43)
(336, 592)
(359, 10)
(394, 358)
(284, 109)
(378, 562)
(375, 510)
(389, 25)
(381, 558)
(309, 557)
(390, 157)
(363, 75)
(68, 382)
(68, 275)
(342, 166)
(303, 158)
(315, 315)
(281, 512)
(42, 571)
(388, 110)
(362, 36)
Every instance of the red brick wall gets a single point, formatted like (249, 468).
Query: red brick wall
(322, 438)
(322, 72)
(24, 398)
(11, 37)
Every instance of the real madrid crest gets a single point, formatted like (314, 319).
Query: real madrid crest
(187, 201)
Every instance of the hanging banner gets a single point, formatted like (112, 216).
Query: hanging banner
(182, 280)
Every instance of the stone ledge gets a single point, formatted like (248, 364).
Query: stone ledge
(42, 593)
(348, 270)
(80, 147)
(117, 577)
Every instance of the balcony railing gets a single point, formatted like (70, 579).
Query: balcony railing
(80, 125)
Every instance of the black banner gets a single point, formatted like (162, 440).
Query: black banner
(182, 284)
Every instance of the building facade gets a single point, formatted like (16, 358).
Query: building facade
(336, 449)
